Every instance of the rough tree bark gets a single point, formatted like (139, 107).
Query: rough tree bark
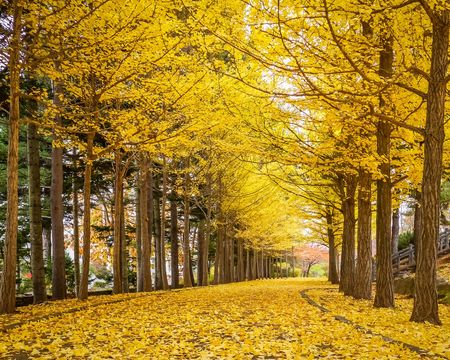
(247, 265)
(333, 275)
(363, 276)
(417, 221)
(150, 211)
(139, 283)
(87, 217)
(157, 228)
(187, 280)
(395, 230)
(201, 252)
(8, 280)
(162, 248)
(384, 296)
(348, 235)
(34, 189)
(145, 233)
(174, 243)
(76, 227)
(240, 261)
(205, 271)
(425, 295)
(123, 242)
(118, 204)
(57, 207)
(227, 255)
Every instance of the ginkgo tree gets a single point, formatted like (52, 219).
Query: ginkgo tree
(241, 121)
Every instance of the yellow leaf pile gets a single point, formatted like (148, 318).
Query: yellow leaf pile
(393, 323)
(264, 319)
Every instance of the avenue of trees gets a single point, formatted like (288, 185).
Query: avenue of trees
(214, 135)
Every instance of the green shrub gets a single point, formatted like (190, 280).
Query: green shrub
(404, 239)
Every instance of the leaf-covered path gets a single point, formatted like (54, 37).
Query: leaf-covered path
(265, 319)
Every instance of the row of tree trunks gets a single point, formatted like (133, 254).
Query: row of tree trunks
(252, 265)
(233, 266)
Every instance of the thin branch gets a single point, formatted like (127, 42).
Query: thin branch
(395, 122)
(412, 90)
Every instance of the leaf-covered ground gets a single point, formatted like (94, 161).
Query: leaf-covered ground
(265, 319)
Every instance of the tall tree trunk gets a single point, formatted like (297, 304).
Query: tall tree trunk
(395, 230)
(76, 227)
(145, 219)
(232, 256)
(118, 204)
(205, 271)
(201, 252)
(174, 243)
(384, 286)
(333, 276)
(217, 260)
(151, 228)
(240, 261)
(157, 228)
(227, 256)
(247, 265)
(47, 235)
(254, 265)
(87, 218)
(34, 187)
(417, 222)
(187, 280)
(262, 267)
(222, 243)
(57, 207)
(425, 295)
(123, 245)
(384, 296)
(348, 237)
(139, 284)
(8, 279)
(363, 278)
(191, 270)
(162, 248)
